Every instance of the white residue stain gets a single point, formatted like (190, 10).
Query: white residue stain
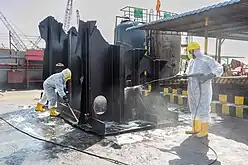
(30, 131)
(25, 107)
(17, 119)
(128, 139)
(43, 114)
(130, 125)
(50, 123)
(157, 132)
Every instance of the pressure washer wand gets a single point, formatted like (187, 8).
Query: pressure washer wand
(69, 106)
(174, 77)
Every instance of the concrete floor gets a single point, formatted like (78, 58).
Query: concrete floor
(168, 146)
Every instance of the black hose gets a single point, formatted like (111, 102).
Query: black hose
(200, 89)
(153, 81)
(65, 146)
(105, 158)
(197, 107)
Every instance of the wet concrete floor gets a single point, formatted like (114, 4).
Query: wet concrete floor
(165, 146)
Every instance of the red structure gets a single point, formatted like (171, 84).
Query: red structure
(34, 66)
(21, 68)
(15, 76)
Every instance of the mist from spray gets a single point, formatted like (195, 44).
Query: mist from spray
(153, 103)
(136, 103)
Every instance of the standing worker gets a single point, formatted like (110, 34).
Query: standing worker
(56, 81)
(200, 95)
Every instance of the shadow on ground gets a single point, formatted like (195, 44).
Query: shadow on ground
(42, 126)
(231, 128)
(192, 151)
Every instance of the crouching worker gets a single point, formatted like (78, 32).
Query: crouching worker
(56, 81)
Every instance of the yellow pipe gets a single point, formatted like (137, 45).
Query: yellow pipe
(206, 36)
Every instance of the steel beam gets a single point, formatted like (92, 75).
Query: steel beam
(206, 36)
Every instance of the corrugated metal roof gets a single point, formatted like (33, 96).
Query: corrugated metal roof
(192, 12)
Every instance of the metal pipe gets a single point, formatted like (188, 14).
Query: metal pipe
(8, 64)
(10, 57)
(9, 69)
(206, 36)
(10, 42)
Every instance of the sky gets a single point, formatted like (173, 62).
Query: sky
(26, 15)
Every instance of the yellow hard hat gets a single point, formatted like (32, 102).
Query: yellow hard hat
(193, 46)
(67, 74)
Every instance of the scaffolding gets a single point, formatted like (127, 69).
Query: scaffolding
(145, 15)
(225, 20)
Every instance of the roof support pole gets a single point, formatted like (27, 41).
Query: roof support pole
(206, 36)
(220, 41)
(216, 48)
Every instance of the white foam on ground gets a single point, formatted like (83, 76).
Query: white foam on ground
(130, 125)
(50, 123)
(31, 131)
(17, 119)
(43, 114)
(157, 132)
(128, 139)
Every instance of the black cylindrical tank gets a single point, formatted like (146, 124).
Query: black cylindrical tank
(134, 38)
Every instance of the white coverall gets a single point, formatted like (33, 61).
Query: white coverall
(206, 65)
(53, 85)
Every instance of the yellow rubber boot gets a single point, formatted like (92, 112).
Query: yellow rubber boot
(196, 128)
(39, 107)
(204, 130)
(53, 112)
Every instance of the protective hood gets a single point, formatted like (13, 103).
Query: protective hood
(67, 74)
(198, 54)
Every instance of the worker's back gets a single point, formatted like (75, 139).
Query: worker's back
(54, 78)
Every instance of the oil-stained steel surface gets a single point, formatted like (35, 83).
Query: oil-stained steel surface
(98, 69)
(51, 31)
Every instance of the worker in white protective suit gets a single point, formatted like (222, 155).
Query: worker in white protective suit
(199, 99)
(56, 83)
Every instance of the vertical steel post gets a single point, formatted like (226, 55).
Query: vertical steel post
(206, 36)
(10, 42)
(50, 55)
(27, 73)
(69, 63)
